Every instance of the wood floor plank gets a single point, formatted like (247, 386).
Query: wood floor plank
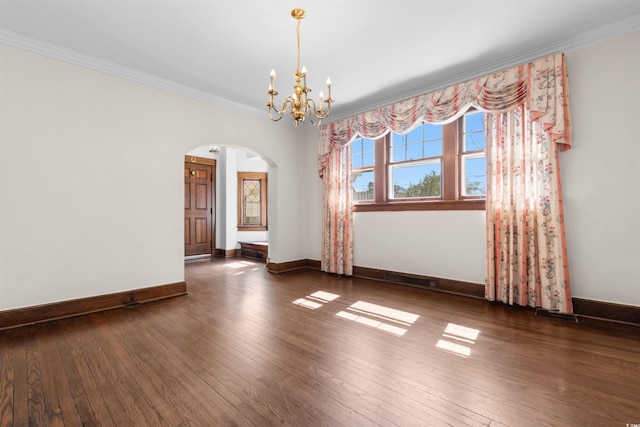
(20, 340)
(54, 387)
(93, 405)
(7, 383)
(241, 349)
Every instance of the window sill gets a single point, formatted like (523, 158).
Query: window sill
(252, 228)
(439, 205)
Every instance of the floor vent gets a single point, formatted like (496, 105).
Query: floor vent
(553, 313)
(412, 280)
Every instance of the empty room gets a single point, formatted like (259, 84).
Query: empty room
(340, 213)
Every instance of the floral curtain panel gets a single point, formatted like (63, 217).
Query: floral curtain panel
(526, 246)
(337, 221)
(540, 85)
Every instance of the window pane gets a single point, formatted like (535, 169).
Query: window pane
(473, 131)
(414, 152)
(368, 158)
(474, 141)
(422, 142)
(362, 185)
(356, 153)
(432, 132)
(421, 180)
(399, 151)
(475, 175)
(362, 152)
(474, 122)
(367, 145)
(415, 135)
(252, 190)
(433, 148)
(251, 194)
(252, 214)
(398, 147)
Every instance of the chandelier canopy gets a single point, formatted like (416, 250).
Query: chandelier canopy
(299, 104)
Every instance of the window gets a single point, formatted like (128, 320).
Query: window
(430, 167)
(415, 163)
(252, 201)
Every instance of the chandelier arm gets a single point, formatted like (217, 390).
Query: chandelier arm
(289, 101)
(277, 118)
(320, 113)
(312, 105)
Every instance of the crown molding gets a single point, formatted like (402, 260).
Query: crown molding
(575, 41)
(50, 50)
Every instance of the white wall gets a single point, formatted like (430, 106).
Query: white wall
(601, 188)
(435, 243)
(601, 173)
(310, 212)
(91, 179)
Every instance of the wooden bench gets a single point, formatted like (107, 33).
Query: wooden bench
(257, 250)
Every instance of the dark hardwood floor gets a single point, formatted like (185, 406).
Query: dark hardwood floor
(247, 347)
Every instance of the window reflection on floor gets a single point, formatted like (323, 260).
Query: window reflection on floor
(458, 339)
(395, 330)
(383, 312)
(384, 318)
(379, 317)
(244, 265)
(316, 299)
(239, 264)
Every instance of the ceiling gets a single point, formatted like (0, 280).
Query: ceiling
(375, 51)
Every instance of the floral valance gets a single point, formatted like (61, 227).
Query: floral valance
(541, 84)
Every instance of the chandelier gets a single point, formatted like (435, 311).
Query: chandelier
(299, 104)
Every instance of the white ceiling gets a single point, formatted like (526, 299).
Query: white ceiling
(375, 51)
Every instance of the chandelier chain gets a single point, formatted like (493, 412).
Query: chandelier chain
(298, 34)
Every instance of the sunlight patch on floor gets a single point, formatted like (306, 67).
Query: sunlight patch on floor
(372, 315)
(395, 330)
(379, 317)
(324, 296)
(458, 349)
(316, 299)
(239, 264)
(386, 313)
(307, 303)
(456, 338)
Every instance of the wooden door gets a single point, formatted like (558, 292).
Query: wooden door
(198, 208)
